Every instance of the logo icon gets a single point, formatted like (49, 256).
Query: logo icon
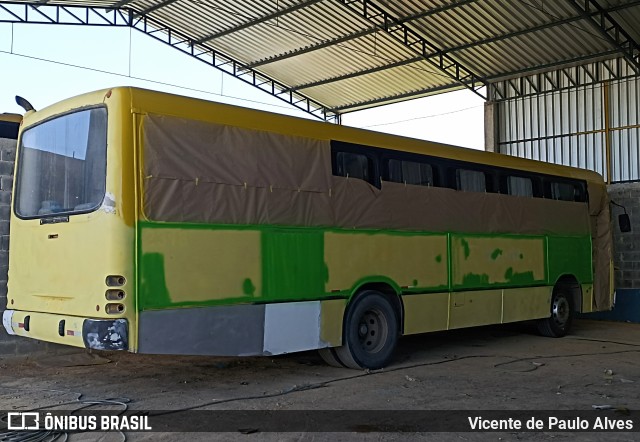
(23, 421)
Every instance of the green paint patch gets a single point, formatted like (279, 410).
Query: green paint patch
(293, 264)
(465, 247)
(475, 280)
(521, 256)
(439, 258)
(248, 288)
(375, 279)
(517, 278)
(153, 291)
(570, 256)
(415, 283)
(495, 254)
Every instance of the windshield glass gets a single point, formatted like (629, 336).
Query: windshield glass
(62, 165)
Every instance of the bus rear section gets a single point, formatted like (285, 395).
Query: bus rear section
(162, 224)
(71, 263)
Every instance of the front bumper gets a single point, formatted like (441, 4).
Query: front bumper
(99, 334)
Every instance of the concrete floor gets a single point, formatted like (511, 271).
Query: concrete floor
(488, 368)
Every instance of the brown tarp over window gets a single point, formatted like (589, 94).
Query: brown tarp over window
(212, 173)
(600, 214)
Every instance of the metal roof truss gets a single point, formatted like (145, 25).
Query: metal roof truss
(328, 57)
(118, 16)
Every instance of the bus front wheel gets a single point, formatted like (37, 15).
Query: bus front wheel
(559, 322)
(370, 332)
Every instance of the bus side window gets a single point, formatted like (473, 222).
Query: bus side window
(410, 172)
(353, 165)
(471, 180)
(519, 186)
(394, 171)
(564, 191)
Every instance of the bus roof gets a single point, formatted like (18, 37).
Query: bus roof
(147, 101)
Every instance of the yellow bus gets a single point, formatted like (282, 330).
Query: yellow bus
(161, 224)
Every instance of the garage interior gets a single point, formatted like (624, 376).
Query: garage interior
(560, 80)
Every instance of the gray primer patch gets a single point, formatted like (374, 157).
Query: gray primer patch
(292, 326)
(109, 203)
(236, 330)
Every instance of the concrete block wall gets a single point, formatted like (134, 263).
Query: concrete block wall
(626, 246)
(11, 345)
(7, 158)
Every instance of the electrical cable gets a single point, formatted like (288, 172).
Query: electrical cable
(565, 356)
(123, 402)
(46, 60)
(606, 341)
(163, 83)
(322, 384)
(55, 435)
(594, 34)
(423, 117)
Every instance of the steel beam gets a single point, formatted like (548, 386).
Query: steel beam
(313, 47)
(434, 11)
(11, 12)
(354, 35)
(356, 74)
(120, 4)
(615, 34)
(542, 27)
(434, 55)
(155, 7)
(399, 97)
(446, 50)
(561, 79)
(247, 24)
(91, 16)
(232, 67)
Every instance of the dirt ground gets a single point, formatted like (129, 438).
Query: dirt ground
(487, 368)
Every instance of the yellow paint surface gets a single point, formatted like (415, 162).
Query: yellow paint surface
(44, 326)
(202, 265)
(521, 255)
(67, 273)
(350, 257)
(587, 298)
(331, 316)
(425, 313)
(526, 303)
(481, 307)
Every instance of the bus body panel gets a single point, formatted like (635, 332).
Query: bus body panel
(239, 287)
(62, 267)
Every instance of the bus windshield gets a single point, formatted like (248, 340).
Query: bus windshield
(62, 165)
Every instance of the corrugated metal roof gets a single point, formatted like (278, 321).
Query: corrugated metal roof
(345, 56)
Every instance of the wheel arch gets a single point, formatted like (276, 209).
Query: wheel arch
(388, 288)
(571, 284)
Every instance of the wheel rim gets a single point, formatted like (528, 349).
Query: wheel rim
(561, 311)
(372, 331)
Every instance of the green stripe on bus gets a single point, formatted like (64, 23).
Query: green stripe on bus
(293, 264)
(570, 255)
(293, 267)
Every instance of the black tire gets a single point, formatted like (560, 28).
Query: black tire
(328, 355)
(559, 322)
(370, 332)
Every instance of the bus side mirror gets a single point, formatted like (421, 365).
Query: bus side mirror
(624, 222)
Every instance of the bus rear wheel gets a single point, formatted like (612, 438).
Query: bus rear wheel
(370, 332)
(329, 356)
(559, 322)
